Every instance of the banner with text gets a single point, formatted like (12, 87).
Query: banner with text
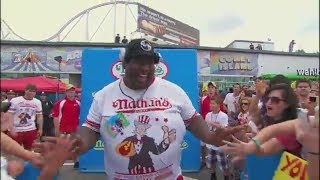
(227, 63)
(101, 67)
(291, 167)
(164, 27)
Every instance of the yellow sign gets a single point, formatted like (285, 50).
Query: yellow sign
(99, 146)
(291, 167)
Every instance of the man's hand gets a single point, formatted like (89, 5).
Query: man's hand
(55, 151)
(58, 149)
(307, 135)
(15, 167)
(261, 87)
(239, 148)
(40, 132)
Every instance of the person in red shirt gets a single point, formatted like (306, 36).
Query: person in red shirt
(66, 114)
(205, 104)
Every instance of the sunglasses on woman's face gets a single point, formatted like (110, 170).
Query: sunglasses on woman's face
(274, 99)
(244, 103)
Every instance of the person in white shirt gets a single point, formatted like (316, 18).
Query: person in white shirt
(142, 122)
(10, 95)
(231, 101)
(217, 119)
(24, 112)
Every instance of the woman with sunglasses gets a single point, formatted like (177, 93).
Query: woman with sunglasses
(305, 130)
(244, 104)
(280, 104)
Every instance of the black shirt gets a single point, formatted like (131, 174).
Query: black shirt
(46, 107)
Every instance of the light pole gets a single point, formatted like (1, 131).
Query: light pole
(58, 59)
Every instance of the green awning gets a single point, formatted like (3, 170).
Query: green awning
(291, 77)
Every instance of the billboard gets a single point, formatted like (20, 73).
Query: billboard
(227, 63)
(156, 24)
(40, 59)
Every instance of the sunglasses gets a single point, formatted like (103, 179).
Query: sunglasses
(274, 99)
(245, 103)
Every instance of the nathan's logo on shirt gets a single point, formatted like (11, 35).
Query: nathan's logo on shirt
(24, 105)
(127, 106)
(184, 145)
(99, 145)
(161, 70)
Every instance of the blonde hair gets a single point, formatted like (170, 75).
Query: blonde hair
(240, 102)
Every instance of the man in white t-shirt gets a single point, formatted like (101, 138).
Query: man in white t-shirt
(231, 101)
(216, 119)
(24, 112)
(142, 122)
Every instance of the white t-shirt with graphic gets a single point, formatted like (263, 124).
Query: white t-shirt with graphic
(24, 113)
(221, 118)
(142, 130)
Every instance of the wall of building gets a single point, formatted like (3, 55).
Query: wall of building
(288, 65)
(218, 64)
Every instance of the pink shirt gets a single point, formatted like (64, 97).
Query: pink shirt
(291, 144)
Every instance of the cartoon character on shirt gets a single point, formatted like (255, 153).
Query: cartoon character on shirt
(116, 124)
(24, 117)
(138, 146)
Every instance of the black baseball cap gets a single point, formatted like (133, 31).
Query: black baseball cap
(140, 47)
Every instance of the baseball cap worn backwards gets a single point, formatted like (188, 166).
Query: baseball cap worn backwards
(139, 47)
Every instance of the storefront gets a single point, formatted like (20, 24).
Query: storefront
(223, 66)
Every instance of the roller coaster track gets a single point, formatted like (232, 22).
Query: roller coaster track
(4, 36)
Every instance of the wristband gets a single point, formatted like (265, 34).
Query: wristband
(257, 142)
(314, 153)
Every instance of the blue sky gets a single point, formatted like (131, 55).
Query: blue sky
(219, 21)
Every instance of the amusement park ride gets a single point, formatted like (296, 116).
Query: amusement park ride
(111, 19)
